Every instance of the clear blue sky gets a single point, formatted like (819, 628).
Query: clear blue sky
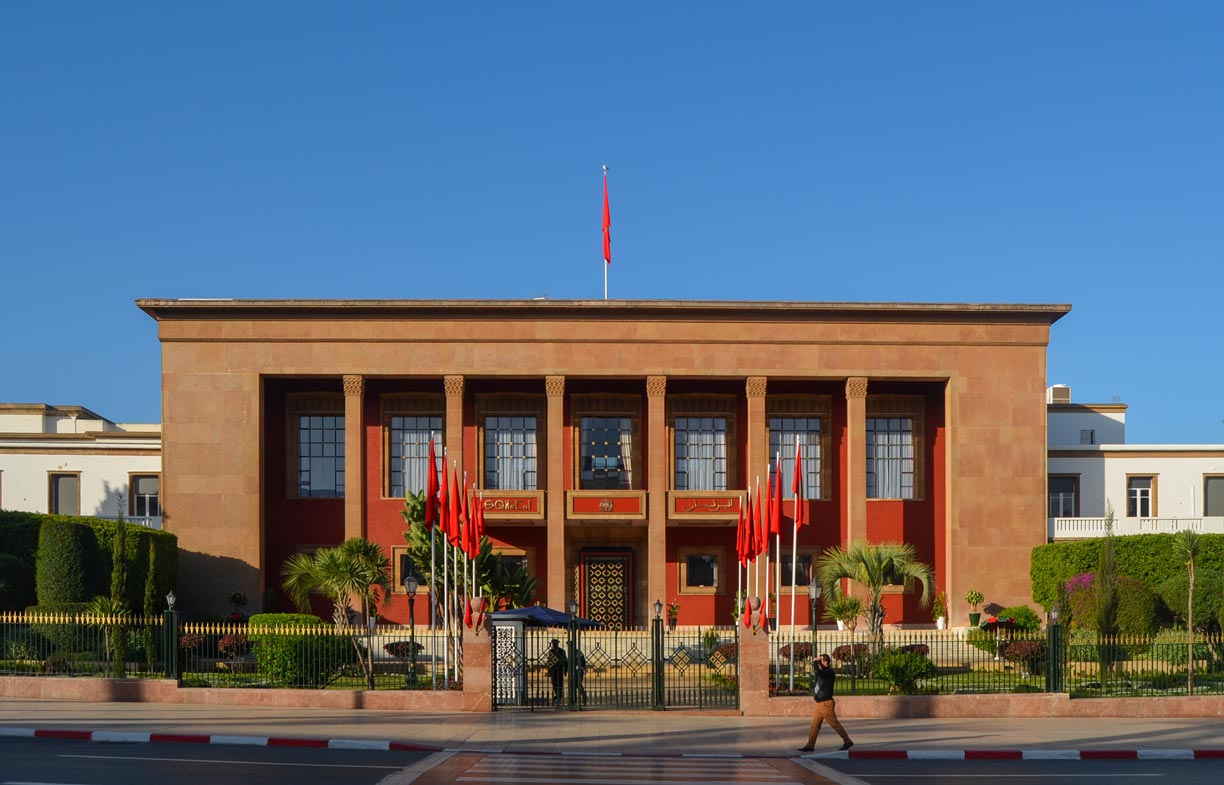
(944, 152)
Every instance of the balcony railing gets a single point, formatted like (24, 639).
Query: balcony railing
(147, 521)
(1082, 528)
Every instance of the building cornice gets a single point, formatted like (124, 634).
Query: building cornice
(604, 310)
(1082, 408)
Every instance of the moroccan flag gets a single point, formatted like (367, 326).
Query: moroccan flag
(467, 613)
(478, 523)
(431, 489)
(607, 224)
(453, 514)
(797, 485)
(741, 548)
(775, 506)
(760, 526)
(444, 501)
(747, 614)
(764, 619)
(465, 517)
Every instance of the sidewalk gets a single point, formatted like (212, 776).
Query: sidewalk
(626, 733)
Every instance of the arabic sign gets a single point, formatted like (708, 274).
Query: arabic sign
(513, 504)
(704, 504)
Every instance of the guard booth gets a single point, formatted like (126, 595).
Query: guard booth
(546, 660)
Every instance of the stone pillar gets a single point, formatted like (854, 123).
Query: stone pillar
(478, 667)
(453, 386)
(856, 459)
(554, 496)
(657, 487)
(354, 458)
(758, 436)
(754, 672)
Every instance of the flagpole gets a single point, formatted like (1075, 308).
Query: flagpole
(607, 232)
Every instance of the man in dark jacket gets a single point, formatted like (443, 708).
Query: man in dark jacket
(826, 707)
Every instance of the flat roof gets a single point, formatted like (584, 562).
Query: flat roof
(187, 308)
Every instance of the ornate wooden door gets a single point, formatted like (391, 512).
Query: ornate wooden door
(606, 586)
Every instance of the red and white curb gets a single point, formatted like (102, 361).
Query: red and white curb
(1023, 754)
(135, 737)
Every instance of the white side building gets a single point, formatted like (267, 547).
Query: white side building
(1152, 487)
(69, 460)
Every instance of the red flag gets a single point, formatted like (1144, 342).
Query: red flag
(431, 489)
(453, 513)
(760, 526)
(479, 527)
(797, 485)
(465, 517)
(764, 619)
(467, 613)
(747, 613)
(775, 507)
(741, 548)
(444, 501)
(607, 223)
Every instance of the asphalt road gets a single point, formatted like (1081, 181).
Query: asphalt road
(1031, 772)
(57, 762)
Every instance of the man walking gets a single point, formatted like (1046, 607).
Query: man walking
(826, 707)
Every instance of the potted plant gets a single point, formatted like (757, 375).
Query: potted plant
(939, 609)
(974, 598)
(845, 611)
(673, 614)
(237, 599)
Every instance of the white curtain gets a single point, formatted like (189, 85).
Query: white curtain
(626, 444)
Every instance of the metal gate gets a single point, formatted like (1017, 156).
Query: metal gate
(653, 668)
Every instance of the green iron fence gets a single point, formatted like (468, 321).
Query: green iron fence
(958, 662)
(82, 644)
(641, 668)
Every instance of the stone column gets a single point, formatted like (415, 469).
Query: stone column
(754, 673)
(453, 386)
(554, 497)
(758, 437)
(856, 459)
(354, 458)
(478, 667)
(657, 487)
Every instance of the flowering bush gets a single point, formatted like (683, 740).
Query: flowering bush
(848, 653)
(191, 642)
(234, 645)
(917, 648)
(802, 651)
(1027, 652)
(726, 651)
(402, 648)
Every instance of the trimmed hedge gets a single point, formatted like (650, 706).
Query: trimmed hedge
(1208, 602)
(16, 583)
(1138, 606)
(88, 568)
(1145, 557)
(312, 660)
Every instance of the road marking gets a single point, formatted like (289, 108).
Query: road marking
(358, 744)
(1166, 754)
(936, 754)
(838, 777)
(1050, 754)
(609, 770)
(409, 775)
(997, 775)
(120, 735)
(254, 741)
(230, 762)
(22, 732)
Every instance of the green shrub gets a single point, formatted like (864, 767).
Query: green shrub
(312, 659)
(1208, 586)
(1138, 605)
(66, 636)
(1170, 647)
(1147, 558)
(1024, 618)
(1030, 653)
(61, 572)
(901, 670)
(16, 583)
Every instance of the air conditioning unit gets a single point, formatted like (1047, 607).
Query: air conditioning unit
(1059, 393)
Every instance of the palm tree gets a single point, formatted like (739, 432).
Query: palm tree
(355, 571)
(1186, 549)
(874, 566)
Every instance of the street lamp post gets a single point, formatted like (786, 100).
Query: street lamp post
(1054, 664)
(170, 645)
(410, 587)
(657, 654)
(573, 653)
(813, 599)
